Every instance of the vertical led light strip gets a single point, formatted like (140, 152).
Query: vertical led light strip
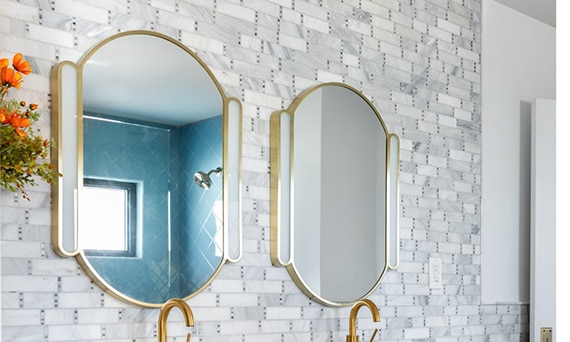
(393, 201)
(284, 211)
(68, 157)
(234, 182)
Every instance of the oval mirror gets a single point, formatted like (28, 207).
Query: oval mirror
(331, 196)
(149, 149)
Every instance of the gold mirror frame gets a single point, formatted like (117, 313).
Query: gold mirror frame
(282, 201)
(67, 117)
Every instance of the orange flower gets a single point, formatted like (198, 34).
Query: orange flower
(18, 122)
(5, 116)
(20, 132)
(21, 65)
(10, 77)
(17, 136)
(23, 122)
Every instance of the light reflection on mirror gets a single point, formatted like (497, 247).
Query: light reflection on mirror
(107, 232)
(329, 194)
(150, 116)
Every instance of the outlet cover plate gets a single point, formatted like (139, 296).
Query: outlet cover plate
(435, 273)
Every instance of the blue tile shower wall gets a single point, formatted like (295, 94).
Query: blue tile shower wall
(200, 150)
(157, 158)
(137, 153)
(174, 171)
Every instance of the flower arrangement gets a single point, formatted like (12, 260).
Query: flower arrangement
(22, 152)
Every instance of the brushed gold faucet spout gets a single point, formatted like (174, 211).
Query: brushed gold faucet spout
(163, 316)
(352, 337)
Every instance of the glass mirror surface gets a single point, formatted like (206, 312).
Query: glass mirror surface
(338, 183)
(152, 169)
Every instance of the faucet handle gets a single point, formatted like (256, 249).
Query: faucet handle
(374, 334)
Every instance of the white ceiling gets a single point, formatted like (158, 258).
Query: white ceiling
(145, 78)
(542, 10)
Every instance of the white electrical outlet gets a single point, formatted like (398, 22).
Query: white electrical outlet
(435, 273)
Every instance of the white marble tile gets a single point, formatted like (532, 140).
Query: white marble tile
(265, 53)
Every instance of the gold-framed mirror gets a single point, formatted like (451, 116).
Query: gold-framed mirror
(334, 194)
(150, 148)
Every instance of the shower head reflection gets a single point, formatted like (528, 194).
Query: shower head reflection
(203, 179)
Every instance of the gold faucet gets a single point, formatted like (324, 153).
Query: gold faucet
(163, 316)
(352, 337)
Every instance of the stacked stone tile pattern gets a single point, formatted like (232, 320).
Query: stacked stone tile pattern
(418, 61)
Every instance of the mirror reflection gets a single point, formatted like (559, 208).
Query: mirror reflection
(329, 194)
(150, 222)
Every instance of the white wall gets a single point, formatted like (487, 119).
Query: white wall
(562, 332)
(307, 188)
(543, 218)
(518, 65)
(347, 220)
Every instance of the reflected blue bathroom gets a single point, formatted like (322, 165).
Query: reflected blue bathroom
(161, 160)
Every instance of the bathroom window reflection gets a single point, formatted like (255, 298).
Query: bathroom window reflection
(109, 217)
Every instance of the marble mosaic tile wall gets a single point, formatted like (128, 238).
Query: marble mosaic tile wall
(417, 60)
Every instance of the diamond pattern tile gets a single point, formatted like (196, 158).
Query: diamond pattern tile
(157, 158)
